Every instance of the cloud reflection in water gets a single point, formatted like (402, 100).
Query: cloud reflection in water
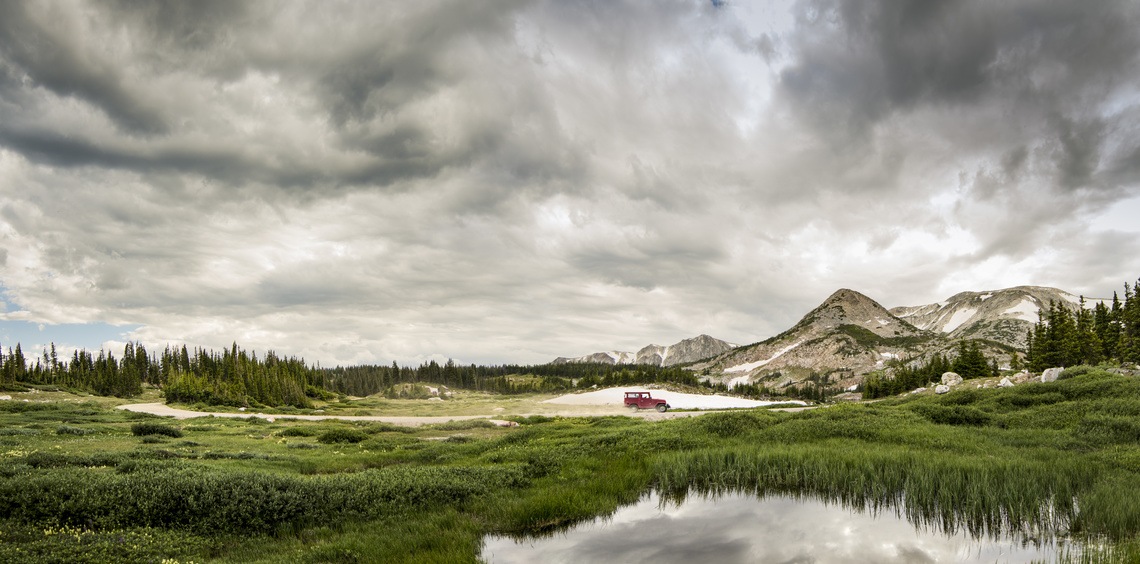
(741, 528)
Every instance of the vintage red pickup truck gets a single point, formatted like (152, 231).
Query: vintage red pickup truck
(642, 400)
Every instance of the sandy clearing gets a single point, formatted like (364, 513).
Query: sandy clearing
(677, 400)
(588, 404)
(167, 411)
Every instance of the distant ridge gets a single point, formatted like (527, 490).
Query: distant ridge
(687, 350)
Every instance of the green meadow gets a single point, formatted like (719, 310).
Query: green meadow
(81, 481)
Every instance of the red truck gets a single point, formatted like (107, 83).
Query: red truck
(642, 400)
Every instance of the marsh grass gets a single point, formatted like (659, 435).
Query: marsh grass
(1050, 459)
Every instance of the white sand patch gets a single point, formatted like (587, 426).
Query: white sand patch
(1025, 310)
(750, 366)
(985, 297)
(961, 316)
(677, 400)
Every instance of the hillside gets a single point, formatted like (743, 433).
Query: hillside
(846, 336)
(1002, 316)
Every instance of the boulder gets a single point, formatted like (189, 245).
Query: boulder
(1020, 378)
(919, 390)
(5, 398)
(941, 389)
(1051, 374)
(1005, 383)
(951, 379)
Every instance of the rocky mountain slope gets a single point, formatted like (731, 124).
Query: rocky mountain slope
(687, 350)
(1002, 316)
(848, 335)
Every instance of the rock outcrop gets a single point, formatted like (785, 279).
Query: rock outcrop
(1051, 374)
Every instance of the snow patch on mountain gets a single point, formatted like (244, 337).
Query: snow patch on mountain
(750, 366)
(621, 357)
(961, 316)
(1025, 310)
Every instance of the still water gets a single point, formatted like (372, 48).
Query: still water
(743, 528)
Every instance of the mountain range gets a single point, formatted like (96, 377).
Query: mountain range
(687, 350)
(849, 335)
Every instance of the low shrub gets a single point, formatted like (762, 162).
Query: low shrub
(10, 431)
(531, 419)
(205, 500)
(69, 430)
(382, 427)
(343, 436)
(296, 432)
(154, 428)
(302, 445)
(951, 414)
(733, 424)
(153, 439)
(463, 425)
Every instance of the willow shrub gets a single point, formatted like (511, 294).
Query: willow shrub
(143, 428)
(211, 502)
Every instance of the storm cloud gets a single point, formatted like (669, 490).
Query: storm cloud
(514, 181)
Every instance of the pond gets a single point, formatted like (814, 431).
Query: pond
(743, 528)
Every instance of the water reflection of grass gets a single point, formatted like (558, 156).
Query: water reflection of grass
(1041, 459)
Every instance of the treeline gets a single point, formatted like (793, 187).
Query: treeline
(103, 374)
(236, 377)
(969, 363)
(366, 380)
(1067, 338)
(232, 377)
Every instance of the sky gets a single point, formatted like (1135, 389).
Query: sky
(512, 181)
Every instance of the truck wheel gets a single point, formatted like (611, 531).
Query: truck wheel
(633, 408)
(661, 407)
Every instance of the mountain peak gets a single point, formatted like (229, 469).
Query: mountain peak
(848, 307)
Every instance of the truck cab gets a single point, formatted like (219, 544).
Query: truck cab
(643, 400)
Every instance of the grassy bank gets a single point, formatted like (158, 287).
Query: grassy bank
(77, 482)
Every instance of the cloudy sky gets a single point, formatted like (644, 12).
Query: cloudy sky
(516, 180)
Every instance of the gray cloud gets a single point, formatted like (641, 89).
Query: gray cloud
(514, 181)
